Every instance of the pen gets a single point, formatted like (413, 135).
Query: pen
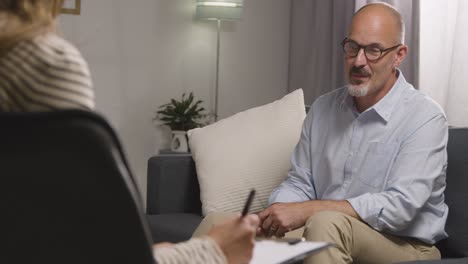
(248, 202)
(295, 240)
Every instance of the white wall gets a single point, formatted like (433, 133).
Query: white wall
(144, 52)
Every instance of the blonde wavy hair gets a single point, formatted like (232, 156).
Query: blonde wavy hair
(26, 19)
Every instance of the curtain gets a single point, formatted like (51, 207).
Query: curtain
(316, 57)
(444, 73)
(409, 9)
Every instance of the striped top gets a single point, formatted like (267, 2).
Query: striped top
(44, 74)
(48, 73)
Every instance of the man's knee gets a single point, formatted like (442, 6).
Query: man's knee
(327, 225)
(335, 228)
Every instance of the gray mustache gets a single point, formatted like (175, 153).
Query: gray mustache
(360, 71)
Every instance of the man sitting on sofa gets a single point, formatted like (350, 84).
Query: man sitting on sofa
(368, 173)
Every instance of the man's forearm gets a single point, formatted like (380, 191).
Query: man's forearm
(280, 218)
(343, 206)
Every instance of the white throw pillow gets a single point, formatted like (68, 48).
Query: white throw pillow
(251, 149)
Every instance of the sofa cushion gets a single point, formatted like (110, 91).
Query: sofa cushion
(250, 149)
(456, 195)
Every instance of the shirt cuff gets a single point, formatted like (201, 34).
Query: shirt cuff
(365, 209)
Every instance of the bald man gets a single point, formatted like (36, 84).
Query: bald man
(368, 173)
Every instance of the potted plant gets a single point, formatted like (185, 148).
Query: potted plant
(181, 116)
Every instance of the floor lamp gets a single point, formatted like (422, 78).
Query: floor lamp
(218, 10)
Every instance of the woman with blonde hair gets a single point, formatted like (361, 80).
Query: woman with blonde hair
(39, 70)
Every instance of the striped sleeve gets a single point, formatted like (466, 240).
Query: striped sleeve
(196, 251)
(44, 74)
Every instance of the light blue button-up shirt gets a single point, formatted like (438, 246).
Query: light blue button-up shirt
(389, 161)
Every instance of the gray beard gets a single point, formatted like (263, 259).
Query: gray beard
(358, 90)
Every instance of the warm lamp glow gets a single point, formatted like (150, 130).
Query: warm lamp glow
(219, 4)
(222, 10)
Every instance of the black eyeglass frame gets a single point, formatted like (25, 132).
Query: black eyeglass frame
(382, 51)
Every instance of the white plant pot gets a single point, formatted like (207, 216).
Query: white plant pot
(179, 141)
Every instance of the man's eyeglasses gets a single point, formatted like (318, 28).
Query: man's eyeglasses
(372, 52)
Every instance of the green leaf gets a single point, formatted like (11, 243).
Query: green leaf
(183, 114)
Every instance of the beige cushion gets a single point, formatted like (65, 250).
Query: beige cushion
(250, 149)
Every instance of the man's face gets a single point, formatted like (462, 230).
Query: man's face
(369, 77)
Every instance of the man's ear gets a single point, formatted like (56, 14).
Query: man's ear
(400, 55)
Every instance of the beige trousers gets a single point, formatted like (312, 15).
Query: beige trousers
(355, 241)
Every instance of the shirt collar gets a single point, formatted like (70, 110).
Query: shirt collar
(387, 104)
(384, 108)
(348, 103)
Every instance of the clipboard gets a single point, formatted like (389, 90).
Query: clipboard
(279, 252)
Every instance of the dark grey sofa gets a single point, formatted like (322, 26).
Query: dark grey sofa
(173, 204)
(174, 208)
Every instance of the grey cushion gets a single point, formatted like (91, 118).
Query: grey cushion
(173, 227)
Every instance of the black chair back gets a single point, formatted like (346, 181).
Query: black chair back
(67, 194)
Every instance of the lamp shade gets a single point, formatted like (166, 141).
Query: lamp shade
(219, 9)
